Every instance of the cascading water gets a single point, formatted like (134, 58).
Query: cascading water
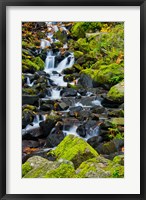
(50, 61)
(55, 94)
(66, 63)
(28, 82)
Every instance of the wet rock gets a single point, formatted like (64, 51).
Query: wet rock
(32, 133)
(68, 92)
(68, 71)
(76, 109)
(98, 109)
(95, 141)
(116, 113)
(61, 106)
(27, 117)
(56, 136)
(108, 103)
(30, 143)
(82, 91)
(46, 107)
(81, 130)
(30, 99)
(47, 125)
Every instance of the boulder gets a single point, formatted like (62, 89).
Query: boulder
(116, 93)
(74, 149)
(38, 167)
(30, 99)
(68, 92)
(99, 167)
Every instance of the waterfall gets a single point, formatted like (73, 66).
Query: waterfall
(50, 61)
(66, 63)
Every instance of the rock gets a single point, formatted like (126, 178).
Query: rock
(99, 167)
(74, 149)
(116, 113)
(76, 109)
(38, 167)
(116, 93)
(119, 159)
(106, 75)
(68, 92)
(118, 121)
(81, 131)
(106, 148)
(46, 107)
(94, 141)
(61, 106)
(30, 143)
(33, 133)
(55, 136)
(86, 81)
(33, 65)
(27, 117)
(78, 54)
(47, 125)
(98, 109)
(30, 99)
(82, 92)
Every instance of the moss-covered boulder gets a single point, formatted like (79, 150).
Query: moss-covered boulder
(119, 159)
(116, 93)
(74, 149)
(99, 167)
(38, 167)
(33, 65)
(78, 54)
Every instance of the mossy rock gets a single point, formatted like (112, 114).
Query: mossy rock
(65, 170)
(74, 149)
(118, 121)
(35, 64)
(78, 54)
(29, 107)
(82, 45)
(109, 74)
(38, 167)
(116, 93)
(119, 159)
(29, 91)
(100, 167)
(26, 167)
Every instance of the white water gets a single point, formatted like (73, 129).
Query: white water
(65, 64)
(58, 80)
(80, 104)
(55, 94)
(28, 82)
(71, 131)
(50, 61)
(44, 43)
(96, 102)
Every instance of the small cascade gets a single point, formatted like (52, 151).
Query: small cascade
(28, 82)
(66, 63)
(50, 61)
(93, 132)
(58, 80)
(36, 119)
(44, 43)
(71, 131)
(55, 94)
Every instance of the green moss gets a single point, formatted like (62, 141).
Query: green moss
(116, 93)
(119, 159)
(26, 167)
(65, 170)
(74, 149)
(99, 167)
(29, 107)
(78, 54)
(29, 91)
(35, 64)
(111, 74)
(82, 45)
(118, 121)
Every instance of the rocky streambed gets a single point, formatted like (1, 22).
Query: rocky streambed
(72, 127)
